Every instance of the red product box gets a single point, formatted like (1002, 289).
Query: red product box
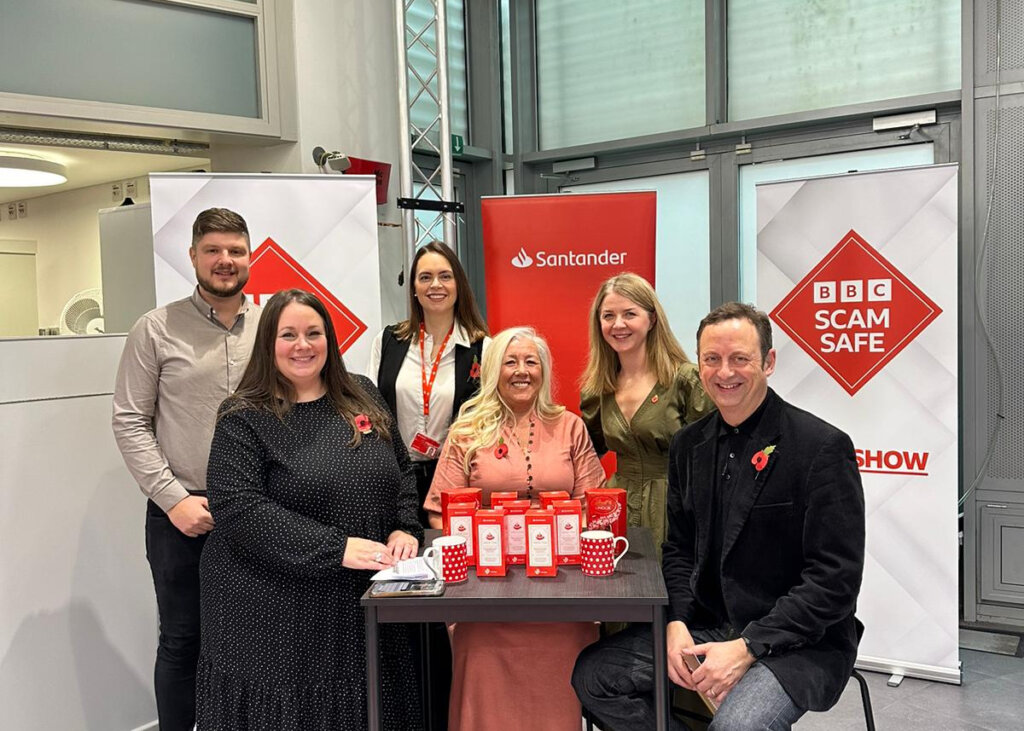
(471, 495)
(489, 535)
(460, 523)
(498, 498)
(515, 531)
(546, 498)
(541, 559)
(568, 524)
(606, 509)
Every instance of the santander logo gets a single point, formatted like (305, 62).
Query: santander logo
(522, 259)
(569, 259)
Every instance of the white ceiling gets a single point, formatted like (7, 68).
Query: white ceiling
(90, 167)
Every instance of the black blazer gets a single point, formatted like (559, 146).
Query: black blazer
(393, 352)
(793, 549)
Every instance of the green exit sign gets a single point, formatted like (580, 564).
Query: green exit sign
(457, 144)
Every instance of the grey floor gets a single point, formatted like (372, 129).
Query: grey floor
(991, 697)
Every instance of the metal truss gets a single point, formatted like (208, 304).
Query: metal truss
(426, 199)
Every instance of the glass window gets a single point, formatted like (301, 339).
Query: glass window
(609, 70)
(421, 58)
(506, 80)
(147, 54)
(808, 167)
(797, 56)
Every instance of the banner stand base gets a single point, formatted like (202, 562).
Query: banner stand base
(910, 670)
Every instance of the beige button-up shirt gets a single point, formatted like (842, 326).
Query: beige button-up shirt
(179, 363)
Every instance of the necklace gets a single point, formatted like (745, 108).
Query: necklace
(526, 454)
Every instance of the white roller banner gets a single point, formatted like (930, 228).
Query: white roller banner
(312, 232)
(859, 275)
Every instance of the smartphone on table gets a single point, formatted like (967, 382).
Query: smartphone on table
(431, 587)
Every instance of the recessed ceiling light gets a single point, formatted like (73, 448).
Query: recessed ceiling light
(30, 172)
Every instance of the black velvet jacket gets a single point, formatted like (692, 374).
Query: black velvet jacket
(792, 552)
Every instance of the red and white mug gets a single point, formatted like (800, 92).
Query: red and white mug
(598, 556)
(447, 557)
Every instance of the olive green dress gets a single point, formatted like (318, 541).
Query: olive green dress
(641, 445)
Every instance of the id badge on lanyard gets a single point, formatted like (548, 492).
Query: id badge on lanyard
(421, 443)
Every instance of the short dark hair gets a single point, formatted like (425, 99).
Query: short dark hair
(740, 311)
(264, 387)
(218, 220)
(467, 314)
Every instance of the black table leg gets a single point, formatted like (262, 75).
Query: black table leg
(373, 714)
(660, 668)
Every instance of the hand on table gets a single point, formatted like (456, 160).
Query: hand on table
(362, 553)
(191, 516)
(724, 664)
(402, 545)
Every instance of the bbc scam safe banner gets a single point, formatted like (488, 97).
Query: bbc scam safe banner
(311, 232)
(859, 275)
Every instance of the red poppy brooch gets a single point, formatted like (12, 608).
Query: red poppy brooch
(474, 370)
(363, 423)
(501, 451)
(760, 460)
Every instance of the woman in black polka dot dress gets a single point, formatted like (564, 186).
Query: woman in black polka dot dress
(311, 490)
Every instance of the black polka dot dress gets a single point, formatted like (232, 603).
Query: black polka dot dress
(283, 645)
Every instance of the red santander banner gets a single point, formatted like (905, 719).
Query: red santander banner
(546, 255)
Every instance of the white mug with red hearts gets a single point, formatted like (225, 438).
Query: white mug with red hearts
(447, 556)
(598, 555)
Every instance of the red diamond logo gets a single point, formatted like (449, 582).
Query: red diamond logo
(271, 269)
(854, 312)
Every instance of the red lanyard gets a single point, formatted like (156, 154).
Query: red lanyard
(428, 384)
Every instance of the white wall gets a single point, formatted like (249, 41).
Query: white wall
(66, 230)
(77, 612)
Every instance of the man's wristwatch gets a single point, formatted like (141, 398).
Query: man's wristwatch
(757, 650)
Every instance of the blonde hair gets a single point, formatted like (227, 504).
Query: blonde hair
(481, 418)
(664, 353)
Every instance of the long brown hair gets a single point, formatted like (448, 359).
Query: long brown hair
(264, 387)
(467, 314)
(664, 353)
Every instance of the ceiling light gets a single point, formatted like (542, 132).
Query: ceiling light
(30, 172)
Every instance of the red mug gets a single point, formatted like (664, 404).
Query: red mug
(598, 555)
(446, 555)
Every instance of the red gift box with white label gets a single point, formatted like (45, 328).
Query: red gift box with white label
(606, 509)
(568, 514)
(540, 544)
(515, 531)
(471, 495)
(460, 523)
(489, 533)
(498, 497)
(546, 498)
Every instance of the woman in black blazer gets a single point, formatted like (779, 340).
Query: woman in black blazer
(427, 366)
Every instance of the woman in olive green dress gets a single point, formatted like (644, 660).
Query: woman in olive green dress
(638, 390)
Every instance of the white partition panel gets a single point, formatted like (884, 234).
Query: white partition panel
(77, 612)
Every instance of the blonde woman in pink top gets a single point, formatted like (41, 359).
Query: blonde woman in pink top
(511, 435)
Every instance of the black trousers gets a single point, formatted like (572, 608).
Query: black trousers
(174, 562)
(433, 647)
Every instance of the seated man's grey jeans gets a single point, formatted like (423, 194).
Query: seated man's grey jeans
(614, 679)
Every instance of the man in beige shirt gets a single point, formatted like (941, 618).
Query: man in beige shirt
(179, 363)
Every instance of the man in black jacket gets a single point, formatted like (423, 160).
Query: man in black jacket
(764, 555)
